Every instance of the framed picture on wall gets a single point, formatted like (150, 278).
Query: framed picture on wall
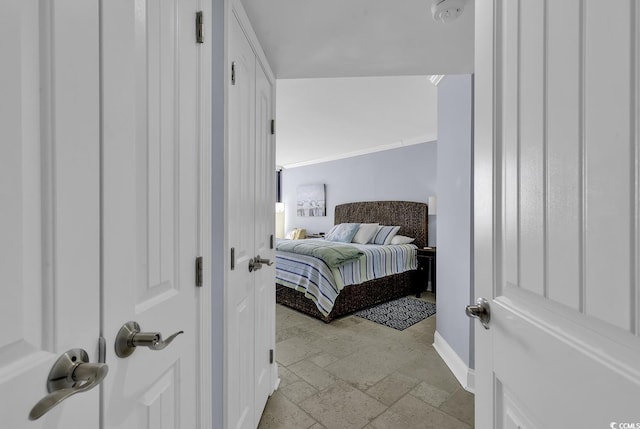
(310, 200)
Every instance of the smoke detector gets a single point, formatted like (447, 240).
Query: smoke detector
(447, 10)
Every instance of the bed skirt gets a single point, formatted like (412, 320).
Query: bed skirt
(352, 298)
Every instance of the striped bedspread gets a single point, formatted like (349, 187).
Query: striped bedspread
(322, 284)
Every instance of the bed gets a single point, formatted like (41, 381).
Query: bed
(412, 219)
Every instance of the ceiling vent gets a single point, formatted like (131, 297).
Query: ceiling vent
(447, 10)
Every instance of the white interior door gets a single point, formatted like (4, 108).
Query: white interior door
(557, 228)
(250, 298)
(49, 213)
(265, 293)
(150, 208)
(240, 317)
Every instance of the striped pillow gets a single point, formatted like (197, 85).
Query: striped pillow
(384, 235)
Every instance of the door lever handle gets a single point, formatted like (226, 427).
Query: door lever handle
(263, 261)
(257, 263)
(71, 373)
(480, 311)
(129, 337)
(158, 343)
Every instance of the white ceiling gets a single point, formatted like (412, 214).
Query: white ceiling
(381, 51)
(324, 119)
(339, 38)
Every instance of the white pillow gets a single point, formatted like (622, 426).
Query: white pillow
(365, 232)
(401, 239)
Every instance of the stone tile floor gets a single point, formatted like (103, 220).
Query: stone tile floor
(354, 373)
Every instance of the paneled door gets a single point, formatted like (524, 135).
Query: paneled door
(250, 299)
(150, 168)
(240, 345)
(49, 205)
(265, 323)
(557, 213)
(100, 119)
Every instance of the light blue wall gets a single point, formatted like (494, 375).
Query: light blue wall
(454, 266)
(407, 173)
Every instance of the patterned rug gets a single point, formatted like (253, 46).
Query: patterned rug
(400, 313)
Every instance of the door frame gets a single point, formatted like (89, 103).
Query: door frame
(485, 207)
(205, 373)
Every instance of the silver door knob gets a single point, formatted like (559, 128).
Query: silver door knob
(129, 337)
(480, 311)
(257, 263)
(71, 373)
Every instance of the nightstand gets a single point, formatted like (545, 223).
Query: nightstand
(426, 270)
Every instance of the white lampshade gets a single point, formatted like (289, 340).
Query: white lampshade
(279, 220)
(432, 206)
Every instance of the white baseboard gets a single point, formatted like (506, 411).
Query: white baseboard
(465, 375)
(276, 377)
(471, 381)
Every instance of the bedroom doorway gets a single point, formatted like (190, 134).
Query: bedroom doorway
(413, 174)
(375, 176)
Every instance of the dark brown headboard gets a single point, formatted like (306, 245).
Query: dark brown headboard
(410, 216)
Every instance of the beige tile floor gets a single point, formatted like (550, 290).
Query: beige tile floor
(354, 373)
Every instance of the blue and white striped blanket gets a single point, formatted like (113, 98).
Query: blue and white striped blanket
(322, 284)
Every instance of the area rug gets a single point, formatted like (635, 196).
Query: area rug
(400, 313)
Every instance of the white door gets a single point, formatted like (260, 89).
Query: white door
(49, 204)
(264, 245)
(250, 332)
(240, 346)
(557, 230)
(52, 120)
(150, 170)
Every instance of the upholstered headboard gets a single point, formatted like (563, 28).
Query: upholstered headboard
(410, 216)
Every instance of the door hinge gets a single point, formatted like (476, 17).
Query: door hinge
(233, 73)
(271, 356)
(199, 27)
(233, 258)
(271, 242)
(102, 350)
(273, 126)
(199, 271)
